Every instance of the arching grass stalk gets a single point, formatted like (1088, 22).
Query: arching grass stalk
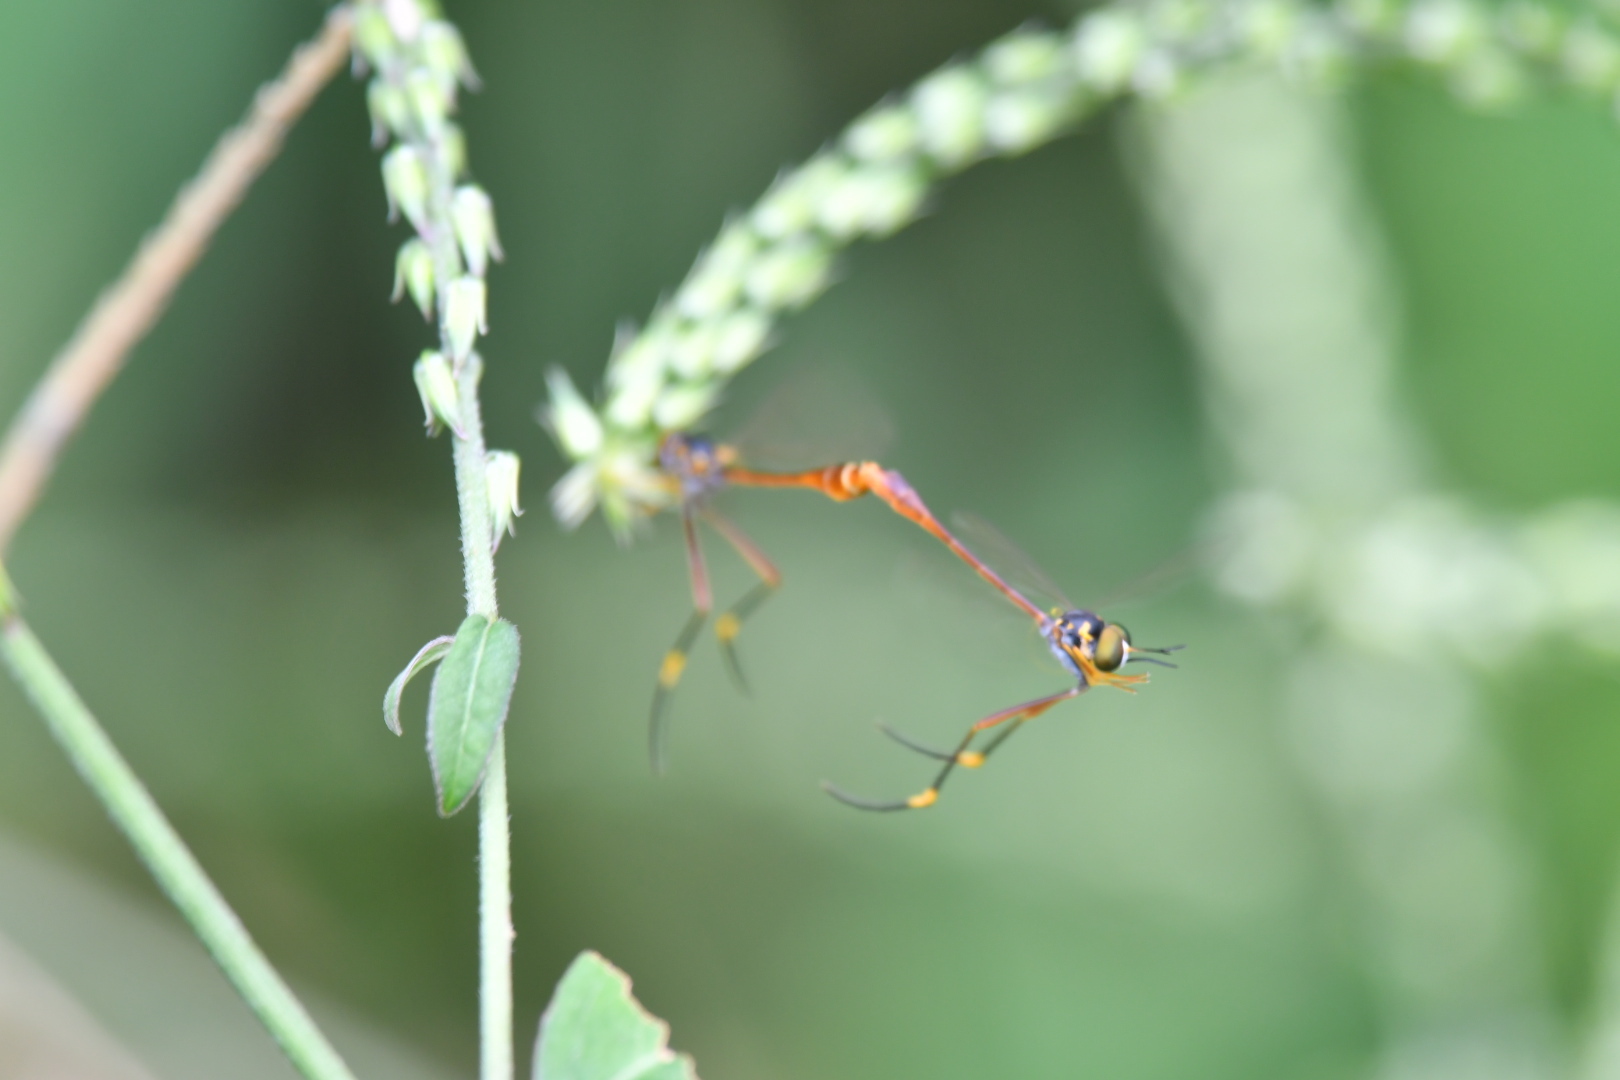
(1021, 91)
(177, 871)
(419, 64)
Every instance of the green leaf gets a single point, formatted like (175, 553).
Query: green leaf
(430, 653)
(595, 1030)
(471, 692)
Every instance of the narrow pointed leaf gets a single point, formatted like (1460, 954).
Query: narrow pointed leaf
(430, 653)
(594, 1029)
(471, 692)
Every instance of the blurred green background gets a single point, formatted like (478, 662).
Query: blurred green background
(252, 536)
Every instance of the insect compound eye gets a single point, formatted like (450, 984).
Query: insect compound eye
(1111, 647)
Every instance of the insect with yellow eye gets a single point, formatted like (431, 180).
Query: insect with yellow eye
(1089, 647)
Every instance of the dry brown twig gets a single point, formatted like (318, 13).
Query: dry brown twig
(128, 309)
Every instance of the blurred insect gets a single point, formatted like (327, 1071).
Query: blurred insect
(697, 468)
(1089, 647)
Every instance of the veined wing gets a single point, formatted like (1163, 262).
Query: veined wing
(821, 415)
(1009, 560)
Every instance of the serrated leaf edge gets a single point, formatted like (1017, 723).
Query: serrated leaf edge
(662, 1056)
(431, 653)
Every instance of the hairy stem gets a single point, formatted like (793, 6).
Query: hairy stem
(177, 871)
(494, 838)
(129, 308)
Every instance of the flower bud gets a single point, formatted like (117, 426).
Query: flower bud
(405, 180)
(432, 98)
(1023, 57)
(1443, 30)
(1018, 121)
(571, 421)
(453, 150)
(574, 496)
(884, 134)
(443, 50)
(373, 37)
(473, 215)
(681, 406)
(390, 112)
(413, 272)
(1107, 48)
(789, 275)
(1591, 58)
(501, 474)
(741, 337)
(405, 18)
(441, 398)
(790, 206)
(875, 199)
(949, 106)
(463, 317)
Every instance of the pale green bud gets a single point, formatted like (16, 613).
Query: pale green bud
(1372, 18)
(1532, 27)
(405, 180)
(473, 215)
(789, 275)
(711, 287)
(413, 271)
(463, 318)
(1023, 57)
(1268, 26)
(453, 150)
(681, 406)
(405, 18)
(692, 356)
(571, 421)
(441, 397)
(887, 132)
(432, 97)
(1107, 47)
(1157, 75)
(501, 469)
(1316, 54)
(1591, 58)
(443, 50)
(1018, 122)
(1441, 30)
(875, 199)
(631, 404)
(790, 206)
(373, 37)
(949, 106)
(1489, 78)
(742, 336)
(645, 356)
(574, 496)
(390, 112)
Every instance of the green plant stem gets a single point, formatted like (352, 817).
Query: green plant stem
(177, 871)
(495, 921)
(494, 835)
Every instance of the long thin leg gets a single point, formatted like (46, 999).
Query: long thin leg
(1014, 717)
(851, 481)
(729, 624)
(669, 672)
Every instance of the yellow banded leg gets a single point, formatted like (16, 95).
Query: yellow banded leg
(729, 625)
(1014, 718)
(669, 676)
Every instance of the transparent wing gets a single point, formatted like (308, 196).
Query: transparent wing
(821, 415)
(1009, 560)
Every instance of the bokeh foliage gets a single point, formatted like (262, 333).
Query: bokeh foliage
(1137, 888)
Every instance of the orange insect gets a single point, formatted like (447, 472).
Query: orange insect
(1089, 647)
(697, 467)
